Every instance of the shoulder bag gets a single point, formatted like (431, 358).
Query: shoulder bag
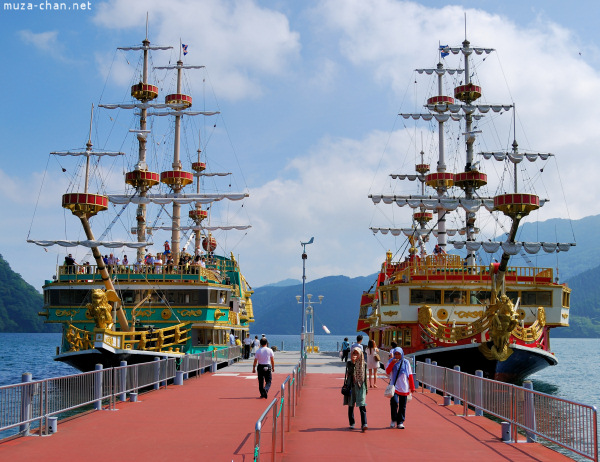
(391, 388)
(347, 387)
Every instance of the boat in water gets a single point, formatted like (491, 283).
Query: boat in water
(187, 297)
(467, 306)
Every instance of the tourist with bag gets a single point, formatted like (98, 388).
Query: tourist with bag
(356, 381)
(372, 363)
(403, 383)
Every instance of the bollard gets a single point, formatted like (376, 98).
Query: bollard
(26, 398)
(213, 366)
(478, 394)
(447, 400)
(98, 387)
(133, 397)
(156, 384)
(457, 386)
(529, 411)
(178, 378)
(505, 426)
(53, 424)
(123, 381)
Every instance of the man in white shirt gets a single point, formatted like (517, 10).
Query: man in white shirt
(262, 357)
(231, 339)
(247, 345)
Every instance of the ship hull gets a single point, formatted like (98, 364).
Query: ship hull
(86, 360)
(523, 362)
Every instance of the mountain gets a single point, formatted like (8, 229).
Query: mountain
(276, 308)
(284, 283)
(19, 304)
(585, 306)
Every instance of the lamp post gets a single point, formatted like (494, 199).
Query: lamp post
(304, 257)
(310, 325)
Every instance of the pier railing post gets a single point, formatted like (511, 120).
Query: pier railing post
(123, 381)
(457, 386)
(274, 438)
(26, 398)
(98, 387)
(282, 415)
(428, 375)
(186, 366)
(529, 411)
(156, 385)
(479, 394)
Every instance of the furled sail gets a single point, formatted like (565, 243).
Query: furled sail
(434, 203)
(163, 199)
(87, 243)
(513, 248)
(515, 157)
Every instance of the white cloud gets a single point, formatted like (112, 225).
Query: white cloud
(239, 41)
(46, 42)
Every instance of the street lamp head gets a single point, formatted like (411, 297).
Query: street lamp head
(309, 296)
(298, 298)
(320, 298)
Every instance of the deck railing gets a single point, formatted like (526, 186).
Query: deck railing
(36, 405)
(568, 424)
(294, 384)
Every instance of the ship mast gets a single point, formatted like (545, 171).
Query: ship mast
(86, 205)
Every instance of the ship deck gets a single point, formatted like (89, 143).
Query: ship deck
(212, 417)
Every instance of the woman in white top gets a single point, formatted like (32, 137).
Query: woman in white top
(372, 363)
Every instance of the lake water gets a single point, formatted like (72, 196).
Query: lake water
(575, 377)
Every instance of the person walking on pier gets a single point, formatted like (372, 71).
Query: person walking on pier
(247, 346)
(356, 374)
(345, 349)
(372, 363)
(400, 372)
(263, 356)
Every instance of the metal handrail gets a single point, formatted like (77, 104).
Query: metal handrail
(294, 383)
(36, 401)
(568, 424)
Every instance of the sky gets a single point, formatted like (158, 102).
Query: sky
(309, 94)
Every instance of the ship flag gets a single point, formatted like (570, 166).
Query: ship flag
(184, 48)
(444, 50)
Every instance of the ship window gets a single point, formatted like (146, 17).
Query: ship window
(394, 294)
(480, 297)
(70, 297)
(513, 295)
(128, 296)
(418, 296)
(212, 297)
(406, 341)
(536, 298)
(362, 314)
(455, 297)
(566, 299)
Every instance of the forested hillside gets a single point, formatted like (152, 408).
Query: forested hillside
(19, 304)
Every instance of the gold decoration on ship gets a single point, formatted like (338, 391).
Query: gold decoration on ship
(145, 313)
(442, 314)
(67, 313)
(165, 314)
(196, 313)
(218, 314)
(99, 310)
(469, 314)
(504, 321)
(390, 313)
(78, 339)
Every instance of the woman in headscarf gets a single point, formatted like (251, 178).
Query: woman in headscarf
(400, 373)
(356, 375)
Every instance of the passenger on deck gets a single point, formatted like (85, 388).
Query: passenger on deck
(400, 373)
(438, 250)
(356, 377)
(70, 264)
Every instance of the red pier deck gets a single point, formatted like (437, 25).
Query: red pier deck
(212, 418)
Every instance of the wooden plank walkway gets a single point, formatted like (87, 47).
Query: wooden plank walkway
(212, 418)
